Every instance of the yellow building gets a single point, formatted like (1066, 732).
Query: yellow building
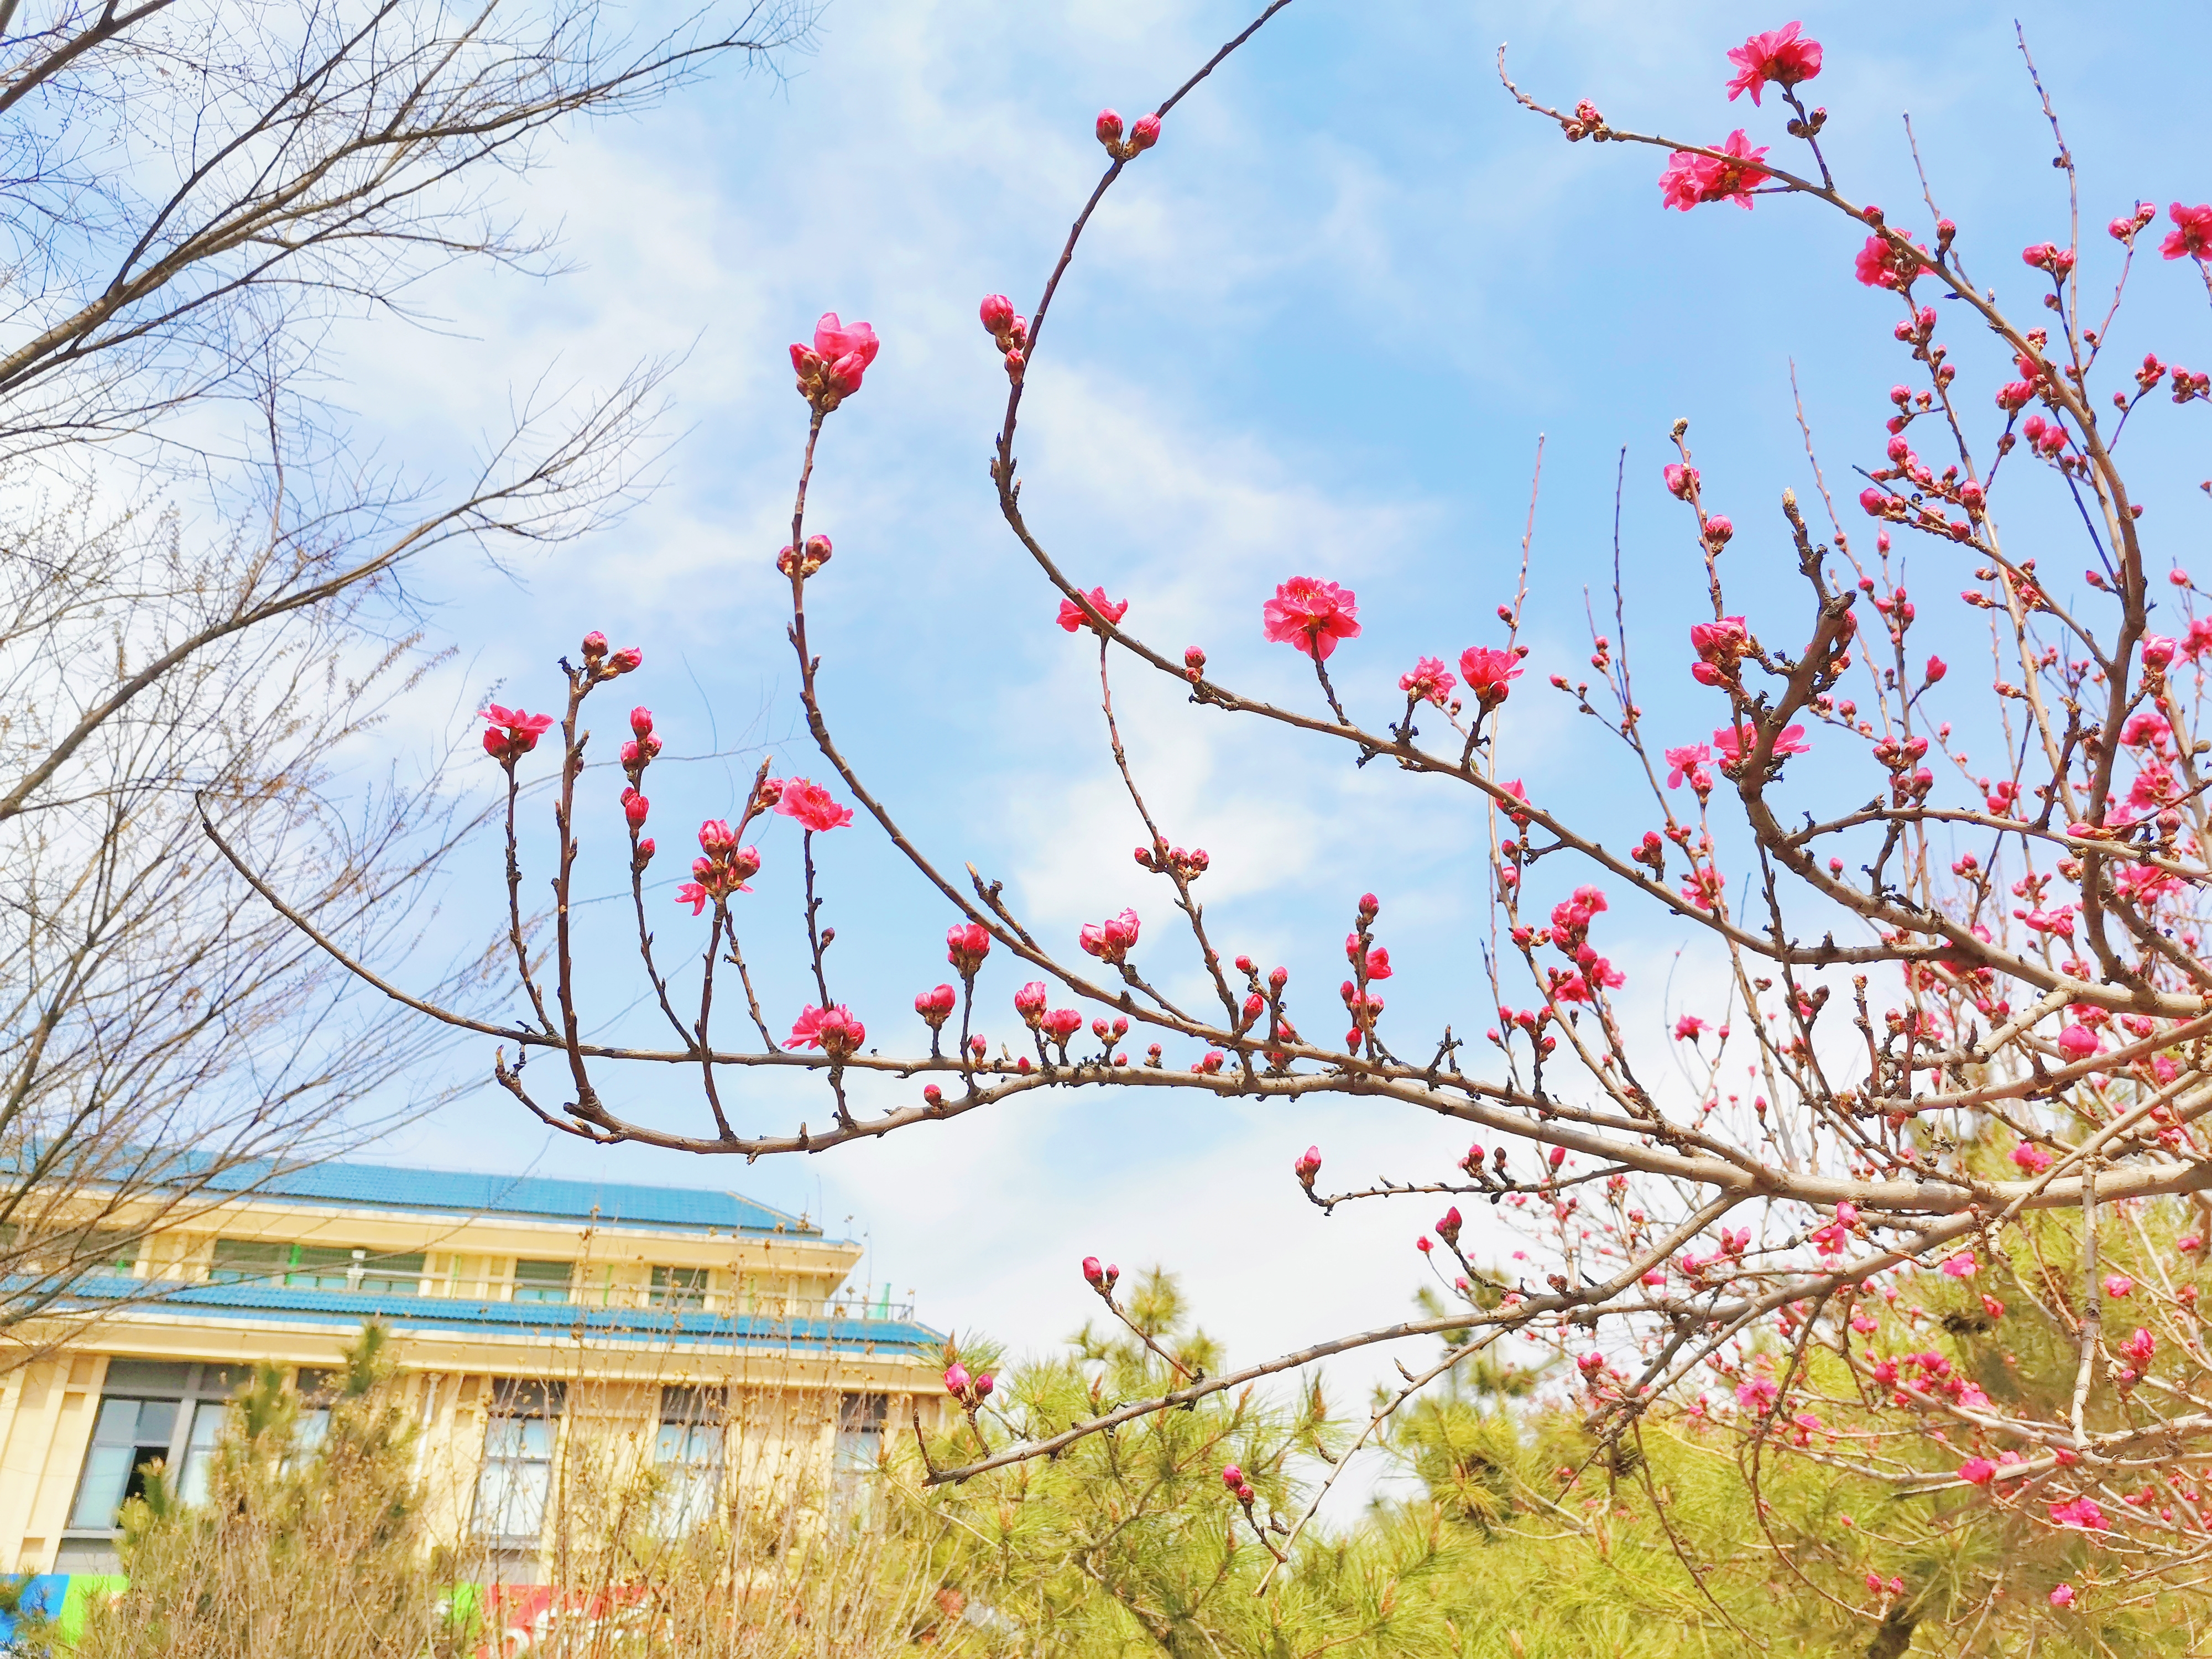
(719, 1333)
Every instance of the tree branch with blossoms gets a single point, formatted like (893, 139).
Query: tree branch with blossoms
(1950, 1091)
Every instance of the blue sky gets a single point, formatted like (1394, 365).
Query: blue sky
(1318, 331)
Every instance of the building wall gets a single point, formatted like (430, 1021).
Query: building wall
(784, 1400)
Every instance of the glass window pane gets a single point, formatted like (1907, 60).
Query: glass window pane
(309, 1430)
(99, 1494)
(682, 1289)
(247, 1260)
(157, 1422)
(320, 1268)
(118, 1424)
(542, 1281)
(511, 1497)
(399, 1275)
(208, 1417)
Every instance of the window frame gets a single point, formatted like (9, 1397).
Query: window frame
(518, 1402)
(200, 1389)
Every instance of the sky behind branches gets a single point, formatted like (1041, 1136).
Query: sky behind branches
(1319, 330)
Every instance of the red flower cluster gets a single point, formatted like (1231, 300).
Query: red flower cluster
(1312, 615)
(1778, 56)
(1112, 939)
(512, 734)
(1882, 263)
(2191, 235)
(1071, 617)
(1487, 671)
(834, 1031)
(1689, 180)
(811, 805)
(1429, 682)
(831, 370)
(722, 869)
(1142, 137)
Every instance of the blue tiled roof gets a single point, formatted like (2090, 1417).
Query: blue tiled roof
(349, 1309)
(606, 1203)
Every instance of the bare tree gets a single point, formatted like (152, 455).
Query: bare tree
(201, 603)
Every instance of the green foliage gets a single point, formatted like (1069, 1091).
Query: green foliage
(1527, 1537)
(309, 1543)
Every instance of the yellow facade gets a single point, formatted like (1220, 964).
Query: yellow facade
(528, 1318)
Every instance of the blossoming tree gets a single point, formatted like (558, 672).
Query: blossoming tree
(1974, 997)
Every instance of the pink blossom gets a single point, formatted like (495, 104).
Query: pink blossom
(634, 807)
(846, 349)
(1311, 614)
(1688, 762)
(2032, 1158)
(966, 945)
(833, 1029)
(2077, 1042)
(1689, 179)
(1112, 939)
(1778, 56)
(2191, 235)
(1487, 669)
(1680, 479)
(936, 1006)
(1977, 1471)
(1028, 1003)
(512, 734)
(811, 805)
(2083, 1512)
(1758, 1394)
(2118, 1285)
(1884, 264)
(1688, 1028)
(1430, 682)
(956, 1378)
(2139, 1347)
(1145, 133)
(1734, 745)
(2062, 1597)
(1072, 619)
(1959, 1266)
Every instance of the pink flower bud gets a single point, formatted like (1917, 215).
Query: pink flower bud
(2077, 1042)
(956, 1378)
(1092, 1271)
(624, 660)
(640, 721)
(1028, 1003)
(595, 645)
(1108, 128)
(1146, 133)
(1936, 668)
(1719, 530)
(998, 314)
(2063, 1596)
(1232, 1477)
(982, 1385)
(2158, 651)
(1557, 1156)
(633, 808)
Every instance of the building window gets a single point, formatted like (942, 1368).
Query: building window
(248, 1261)
(860, 1420)
(687, 1452)
(679, 1290)
(152, 1412)
(542, 1281)
(128, 1439)
(516, 1477)
(315, 1267)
